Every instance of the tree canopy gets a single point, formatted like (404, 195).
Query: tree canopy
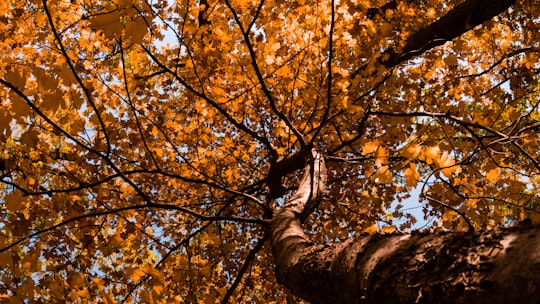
(146, 143)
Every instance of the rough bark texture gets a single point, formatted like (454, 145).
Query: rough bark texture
(288, 238)
(500, 266)
(491, 267)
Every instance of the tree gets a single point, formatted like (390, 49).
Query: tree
(153, 151)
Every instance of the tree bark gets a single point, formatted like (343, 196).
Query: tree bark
(457, 21)
(499, 266)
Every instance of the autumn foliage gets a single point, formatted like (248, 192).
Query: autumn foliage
(143, 144)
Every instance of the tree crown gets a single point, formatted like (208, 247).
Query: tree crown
(146, 143)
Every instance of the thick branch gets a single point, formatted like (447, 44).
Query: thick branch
(286, 232)
(459, 20)
(280, 168)
(311, 188)
(500, 266)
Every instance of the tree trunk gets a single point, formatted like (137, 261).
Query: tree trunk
(499, 266)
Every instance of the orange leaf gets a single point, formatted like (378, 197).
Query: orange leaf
(383, 175)
(135, 274)
(411, 176)
(447, 164)
(411, 151)
(493, 175)
(370, 147)
(100, 283)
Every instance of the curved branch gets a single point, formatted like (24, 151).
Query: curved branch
(479, 267)
(286, 232)
(251, 255)
(132, 106)
(76, 75)
(146, 207)
(212, 102)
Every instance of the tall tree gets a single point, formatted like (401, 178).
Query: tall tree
(162, 151)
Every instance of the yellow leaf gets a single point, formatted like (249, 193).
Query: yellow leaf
(432, 154)
(431, 13)
(382, 156)
(383, 175)
(388, 229)
(269, 59)
(34, 155)
(219, 91)
(109, 299)
(345, 102)
(224, 36)
(158, 289)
